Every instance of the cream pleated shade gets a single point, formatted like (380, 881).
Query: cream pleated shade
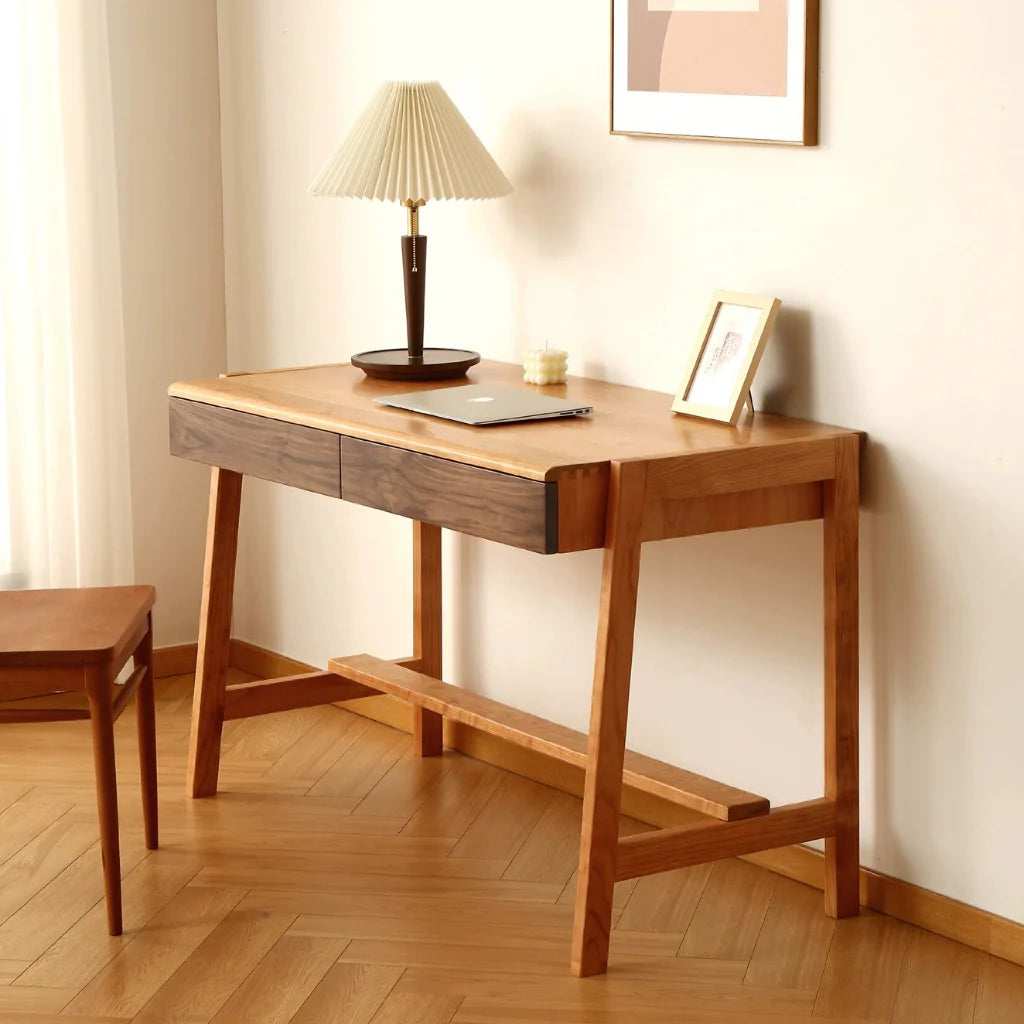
(411, 143)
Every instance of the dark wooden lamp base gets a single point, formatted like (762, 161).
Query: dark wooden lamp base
(415, 362)
(434, 364)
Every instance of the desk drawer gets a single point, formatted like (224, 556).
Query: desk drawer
(480, 502)
(286, 453)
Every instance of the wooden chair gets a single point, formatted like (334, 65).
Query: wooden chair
(55, 641)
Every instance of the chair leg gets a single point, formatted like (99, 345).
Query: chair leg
(97, 685)
(145, 710)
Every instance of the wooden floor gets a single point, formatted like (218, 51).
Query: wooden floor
(338, 879)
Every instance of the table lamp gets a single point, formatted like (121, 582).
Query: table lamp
(412, 145)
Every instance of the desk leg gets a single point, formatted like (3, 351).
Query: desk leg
(428, 726)
(214, 632)
(602, 795)
(842, 853)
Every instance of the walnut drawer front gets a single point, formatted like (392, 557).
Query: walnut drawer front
(480, 502)
(285, 453)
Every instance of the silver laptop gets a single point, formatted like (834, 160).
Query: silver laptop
(484, 406)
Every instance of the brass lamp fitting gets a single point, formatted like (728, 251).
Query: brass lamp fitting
(414, 215)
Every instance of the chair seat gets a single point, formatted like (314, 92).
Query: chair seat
(50, 628)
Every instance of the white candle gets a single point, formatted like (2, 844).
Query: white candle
(545, 366)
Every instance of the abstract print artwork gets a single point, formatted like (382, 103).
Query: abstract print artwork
(716, 69)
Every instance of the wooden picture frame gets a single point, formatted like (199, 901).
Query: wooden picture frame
(787, 116)
(725, 359)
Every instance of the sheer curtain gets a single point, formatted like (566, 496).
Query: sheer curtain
(65, 501)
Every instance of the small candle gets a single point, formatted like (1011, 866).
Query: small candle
(545, 366)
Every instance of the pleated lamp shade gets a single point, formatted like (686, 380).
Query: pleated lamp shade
(411, 143)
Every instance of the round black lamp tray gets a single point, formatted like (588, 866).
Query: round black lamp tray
(434, 364)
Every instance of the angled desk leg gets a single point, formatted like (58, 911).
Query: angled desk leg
(428, 726)
(842, 853)
(602, 795)
(214, 632)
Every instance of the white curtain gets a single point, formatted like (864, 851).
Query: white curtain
(65, 500)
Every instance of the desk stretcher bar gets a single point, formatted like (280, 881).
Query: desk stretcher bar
(746, 822)
(644, 773)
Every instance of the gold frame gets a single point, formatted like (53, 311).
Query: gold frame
(812, 53)
(729, 413)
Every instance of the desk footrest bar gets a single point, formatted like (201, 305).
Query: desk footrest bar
(667, 849)
(644, 773)
(244, 700)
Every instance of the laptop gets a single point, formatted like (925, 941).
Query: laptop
(483, 406)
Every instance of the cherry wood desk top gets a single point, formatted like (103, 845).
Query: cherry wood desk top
(542, 486)
(627, 423)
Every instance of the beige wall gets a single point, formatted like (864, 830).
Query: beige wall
(897, 248)
(167, 149)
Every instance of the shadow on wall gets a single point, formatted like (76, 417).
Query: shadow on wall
(466, 664)
(544, 214)
(542, 220)
(716, 616)
(892, 576)
(908, 601)
(880, 614)
(247, 203)
(791, 363)
(261, 528)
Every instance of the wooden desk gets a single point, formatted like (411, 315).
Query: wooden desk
(630, 474)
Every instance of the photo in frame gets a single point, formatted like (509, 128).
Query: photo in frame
(739, 70)
(724, 361)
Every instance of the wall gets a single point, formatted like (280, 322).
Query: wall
(897, 249)
(164, 83)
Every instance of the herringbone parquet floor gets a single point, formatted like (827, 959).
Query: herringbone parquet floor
(339, 880)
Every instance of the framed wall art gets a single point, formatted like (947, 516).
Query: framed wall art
(743, 70)
(724, 361)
